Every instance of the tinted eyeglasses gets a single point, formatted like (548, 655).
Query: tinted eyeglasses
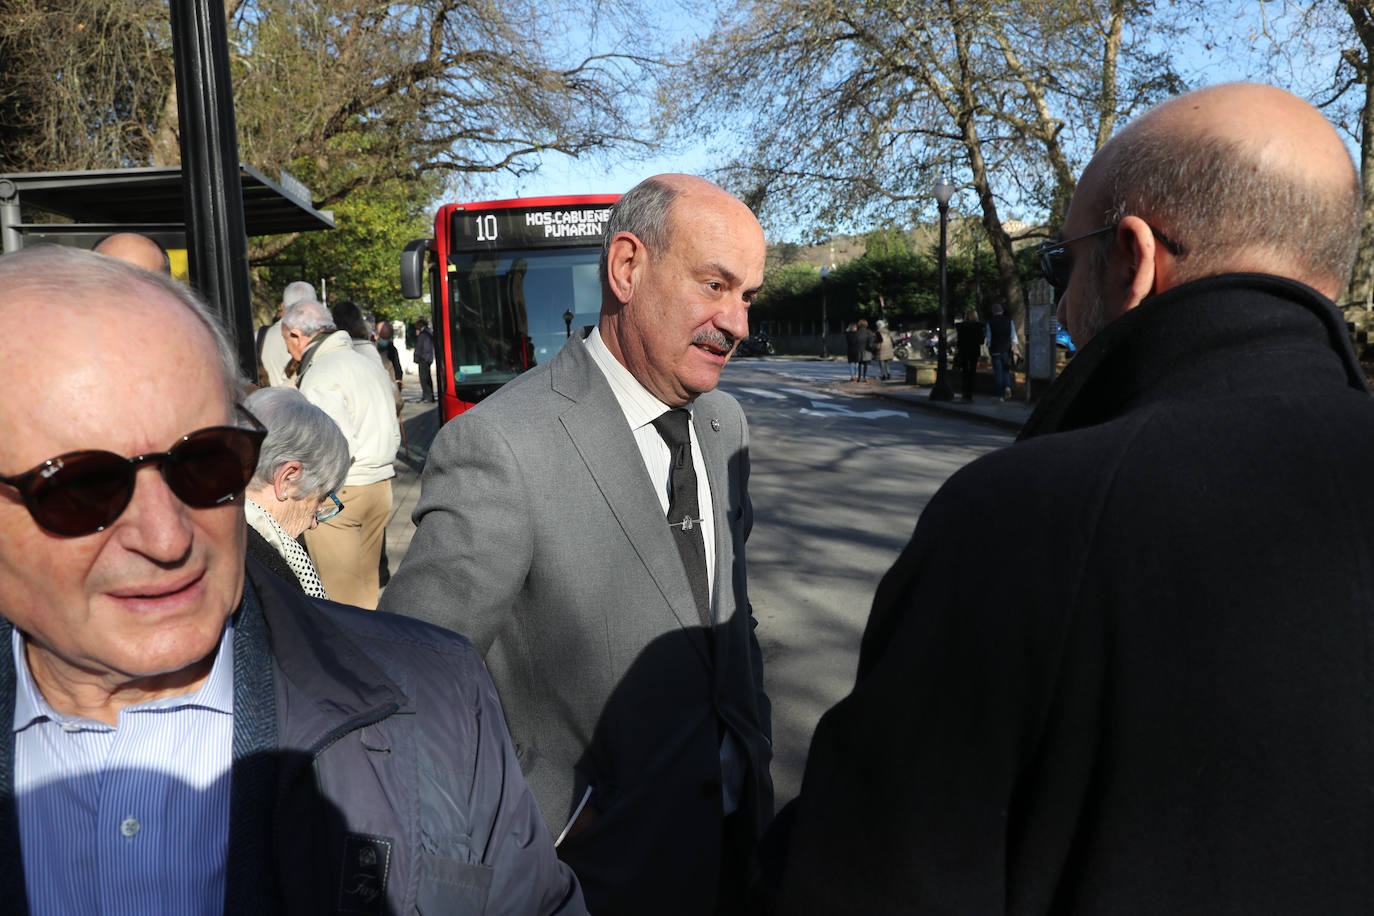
(83, 492)
(328, 510)
(1056, 263)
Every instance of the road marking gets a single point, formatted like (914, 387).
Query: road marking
(763, 393)
(840, 409)
(856, 442)
(807, 393)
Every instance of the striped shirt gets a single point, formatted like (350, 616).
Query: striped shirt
(126, 819)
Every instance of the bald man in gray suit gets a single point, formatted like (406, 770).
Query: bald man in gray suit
(585, 528)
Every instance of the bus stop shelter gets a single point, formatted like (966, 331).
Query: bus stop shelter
(82, 207)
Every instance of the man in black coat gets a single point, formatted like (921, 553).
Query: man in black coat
(1160, 703)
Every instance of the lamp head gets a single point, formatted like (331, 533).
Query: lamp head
(943, 191)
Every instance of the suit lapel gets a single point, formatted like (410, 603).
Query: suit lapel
(596, 425)
(715, 459)
(714, 456)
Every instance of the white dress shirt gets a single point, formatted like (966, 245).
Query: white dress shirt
(641, 408)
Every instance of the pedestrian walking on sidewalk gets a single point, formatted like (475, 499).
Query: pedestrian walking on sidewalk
(882, 341)
(1002, 348)
(424, 359)
(972, 333)
(350, 384)
(863, 341)
(852, 350)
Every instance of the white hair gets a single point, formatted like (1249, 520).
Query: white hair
(308, 317)
(298, 431)
(298, 291)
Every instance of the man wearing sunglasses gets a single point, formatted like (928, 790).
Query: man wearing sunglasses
(1158, 702)
(186, 733)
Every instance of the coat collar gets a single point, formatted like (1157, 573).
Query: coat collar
(1232, 332)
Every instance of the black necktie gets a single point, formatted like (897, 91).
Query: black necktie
(684, 515)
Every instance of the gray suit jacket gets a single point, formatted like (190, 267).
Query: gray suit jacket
(541, 539)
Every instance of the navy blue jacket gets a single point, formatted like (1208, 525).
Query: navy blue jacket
(372, 772)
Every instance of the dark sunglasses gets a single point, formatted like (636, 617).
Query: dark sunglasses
(82, 492)
(1056, 263)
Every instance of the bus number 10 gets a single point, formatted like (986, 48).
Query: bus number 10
(486, 227)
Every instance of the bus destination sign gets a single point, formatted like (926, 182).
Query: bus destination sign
(529, 227)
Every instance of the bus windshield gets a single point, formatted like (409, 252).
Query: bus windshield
(511, 310)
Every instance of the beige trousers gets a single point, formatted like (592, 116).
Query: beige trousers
(347, 548)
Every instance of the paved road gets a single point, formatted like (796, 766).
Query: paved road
(838, 479)
(837, 483)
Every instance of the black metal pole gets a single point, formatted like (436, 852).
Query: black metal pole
(942, 391)
(825, 326)
(216, 235)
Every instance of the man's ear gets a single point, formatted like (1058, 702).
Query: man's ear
(286, 480)
(1138, 270)
(626, 258)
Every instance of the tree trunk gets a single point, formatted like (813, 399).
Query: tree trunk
(1107, 99)
(1362, 275)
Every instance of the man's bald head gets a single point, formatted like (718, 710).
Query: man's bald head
(44, 276)
(1244, 177)
(138, 250)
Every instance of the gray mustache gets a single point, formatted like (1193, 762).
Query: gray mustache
(719, 339)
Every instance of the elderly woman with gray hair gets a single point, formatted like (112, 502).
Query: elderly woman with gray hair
(302, 462)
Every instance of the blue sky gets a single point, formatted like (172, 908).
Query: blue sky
(1229, 44)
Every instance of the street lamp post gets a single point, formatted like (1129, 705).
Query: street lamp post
(825, 327)
(942, 391)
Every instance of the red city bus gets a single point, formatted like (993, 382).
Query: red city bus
(509, 282)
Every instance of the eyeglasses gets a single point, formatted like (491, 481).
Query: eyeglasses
(327, 512)
(1056, 263)
(82, 492)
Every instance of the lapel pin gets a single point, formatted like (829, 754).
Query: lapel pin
(715, 425)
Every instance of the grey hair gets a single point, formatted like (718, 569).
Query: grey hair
(298, 431)
(75, 277)
(643, 211)
(297, 291)
(308, 317)
(1221, 199)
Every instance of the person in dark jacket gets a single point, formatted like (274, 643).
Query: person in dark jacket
(852, 350)
(1000, 338)
(386, 348)
(424, 359)
(1164, 708)
(189, 734)
(863, 346)
(970, 334)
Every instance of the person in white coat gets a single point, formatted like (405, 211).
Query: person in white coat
(355, 391)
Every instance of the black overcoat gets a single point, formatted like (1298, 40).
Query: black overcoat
(1158, 699)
